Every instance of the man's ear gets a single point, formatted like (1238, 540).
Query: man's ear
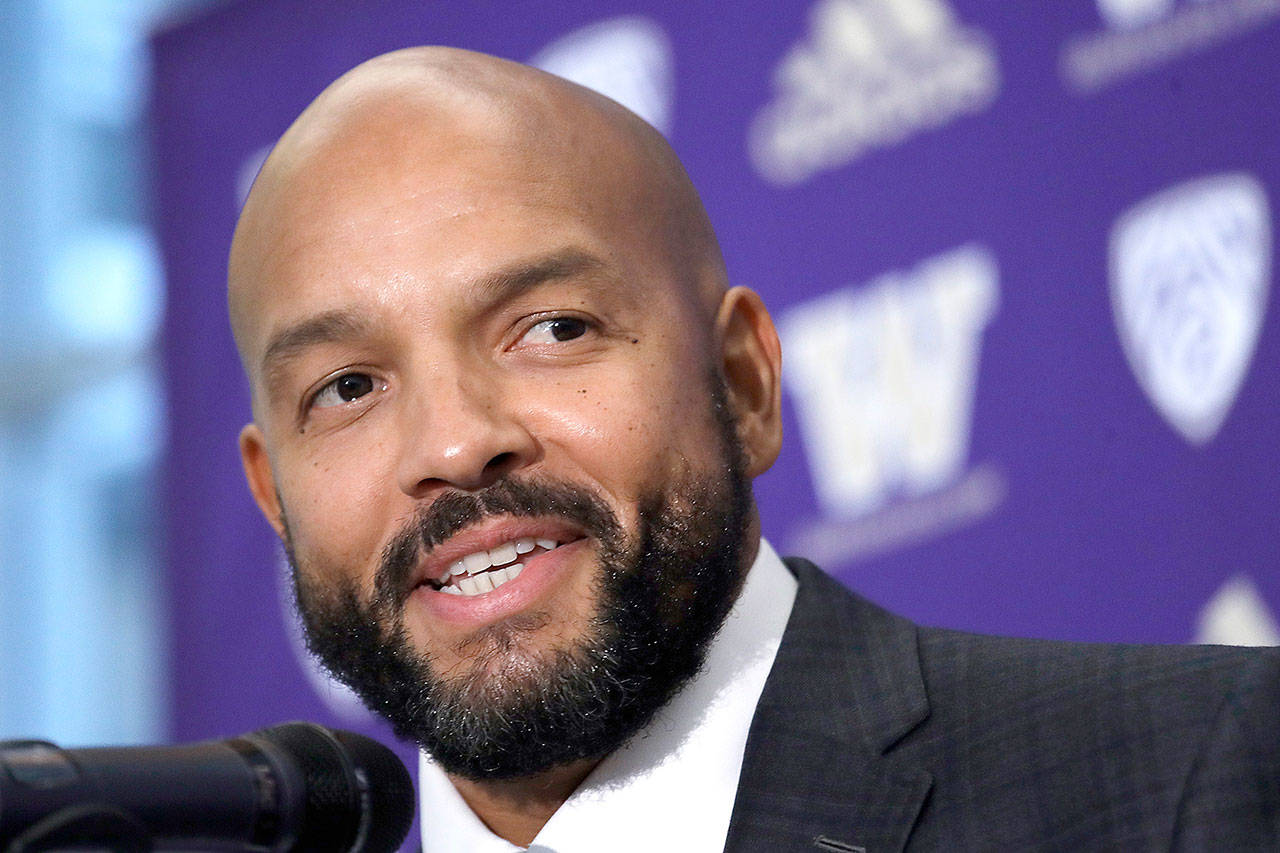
(752, 361)
(257, 470)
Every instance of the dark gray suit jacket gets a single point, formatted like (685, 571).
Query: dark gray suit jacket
(875, 734)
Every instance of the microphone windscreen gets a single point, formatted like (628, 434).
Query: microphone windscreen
(359, 796)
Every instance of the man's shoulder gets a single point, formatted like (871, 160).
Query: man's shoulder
(1174, 678)
(1026, 740)
(995, 665)
(1092, 706)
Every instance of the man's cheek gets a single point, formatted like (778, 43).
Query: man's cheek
(342, 495)
(335, 548)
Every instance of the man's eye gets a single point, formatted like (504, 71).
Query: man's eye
(556, 330)
(347, 388)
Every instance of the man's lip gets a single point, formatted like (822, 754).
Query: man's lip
(488, 534)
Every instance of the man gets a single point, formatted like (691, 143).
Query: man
(506, 414)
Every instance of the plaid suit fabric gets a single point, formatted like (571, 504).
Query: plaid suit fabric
(876, 734)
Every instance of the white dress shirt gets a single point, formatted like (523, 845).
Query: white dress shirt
(672, 786)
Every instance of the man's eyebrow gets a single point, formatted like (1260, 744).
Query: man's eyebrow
(323, 328)
(342, 324)
(518, 278)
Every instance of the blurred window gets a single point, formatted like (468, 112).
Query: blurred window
(82, 631)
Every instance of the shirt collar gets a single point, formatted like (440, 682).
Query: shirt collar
(671, 786)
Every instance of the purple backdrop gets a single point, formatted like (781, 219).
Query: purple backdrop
(1020, 255)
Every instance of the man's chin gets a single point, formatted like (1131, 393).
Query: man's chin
(512, 654)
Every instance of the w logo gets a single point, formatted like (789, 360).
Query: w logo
(884, 378)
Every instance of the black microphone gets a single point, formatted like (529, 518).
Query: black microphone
(295, 786)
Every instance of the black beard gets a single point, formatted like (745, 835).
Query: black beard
(662, 595)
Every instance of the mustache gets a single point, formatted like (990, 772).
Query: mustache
(452, 512)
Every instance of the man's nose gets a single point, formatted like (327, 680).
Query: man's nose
(463, 434)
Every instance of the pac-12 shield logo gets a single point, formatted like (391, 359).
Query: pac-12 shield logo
(1190, 275)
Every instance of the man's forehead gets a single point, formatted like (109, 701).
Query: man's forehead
(393, 130)
(409, 111)
(447, 129)
(371, 242)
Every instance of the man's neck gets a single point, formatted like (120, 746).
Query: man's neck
(517, 809)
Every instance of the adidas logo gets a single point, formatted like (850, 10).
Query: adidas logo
(871, 74)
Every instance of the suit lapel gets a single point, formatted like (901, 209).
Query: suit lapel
(819, 772)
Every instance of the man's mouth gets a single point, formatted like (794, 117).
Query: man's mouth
(485, 571)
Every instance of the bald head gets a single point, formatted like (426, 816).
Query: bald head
(435, 123)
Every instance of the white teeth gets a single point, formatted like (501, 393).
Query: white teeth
(501, 576)
(480, 564)
(502, 554)
(477, 562)
(483, 582)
